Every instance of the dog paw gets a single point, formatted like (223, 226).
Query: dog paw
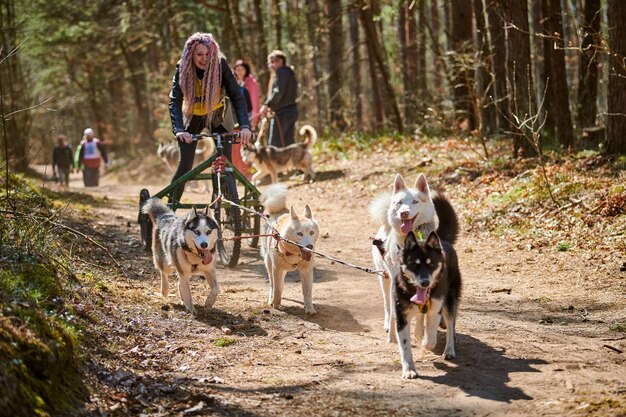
(210, 301)
(309, 310)
(429, 344)
(449, 353)
(409, 374)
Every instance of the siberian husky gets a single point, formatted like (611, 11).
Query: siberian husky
(185, 246)
(429, 283)
(281, 257)
(270, 160)
(400, 212)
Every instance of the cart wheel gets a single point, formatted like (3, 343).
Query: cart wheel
(229, 219)
(145, 225)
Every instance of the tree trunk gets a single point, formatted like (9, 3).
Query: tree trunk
(276, 20)
(542, 65)
(356, 67)
(557, 81)
(375, 48)
(484, 109)
(15, 95)
(520, 79)
(495, 25)
(335, 63)
(435, 28)
(312, 18)
(261, 46)
(407, 29)
(616, 134)
(377, 103)
(460, 45)
(233, 17)
(145, 123)
(588, 84)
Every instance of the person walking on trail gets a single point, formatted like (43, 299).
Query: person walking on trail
(282, 101)
(196, 99)
(87, 157)
(62, 161)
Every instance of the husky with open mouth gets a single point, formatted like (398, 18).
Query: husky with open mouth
(427, 285)
(398, 213)
(185, 246)
(281, 257)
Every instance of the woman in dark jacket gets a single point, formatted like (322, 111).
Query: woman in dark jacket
(196, 96)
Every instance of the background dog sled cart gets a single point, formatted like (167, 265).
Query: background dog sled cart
(229, 186)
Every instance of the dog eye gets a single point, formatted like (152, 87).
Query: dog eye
(300, 234)
(311, 232)
(197, 232)
(415, 201)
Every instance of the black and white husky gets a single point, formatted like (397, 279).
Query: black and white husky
(427, 285)
(185, 246)
(398, 213)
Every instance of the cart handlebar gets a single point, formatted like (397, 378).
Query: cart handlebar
(231, 137)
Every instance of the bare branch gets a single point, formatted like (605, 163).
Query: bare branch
(30, 108)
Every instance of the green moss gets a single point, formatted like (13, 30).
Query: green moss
(563, 246)
(39, 366)
(224, 341)
(618, 327)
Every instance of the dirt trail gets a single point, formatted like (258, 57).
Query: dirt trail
(531, 334)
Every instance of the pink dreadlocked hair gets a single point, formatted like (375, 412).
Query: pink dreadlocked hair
(211, 82)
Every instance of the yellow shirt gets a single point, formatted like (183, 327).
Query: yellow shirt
(198, 105)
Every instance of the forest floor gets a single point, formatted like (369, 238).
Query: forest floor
(541, 329)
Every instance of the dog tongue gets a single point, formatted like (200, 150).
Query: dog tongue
(406, 226)
(306, 255)
(420, 296)
(206, 256)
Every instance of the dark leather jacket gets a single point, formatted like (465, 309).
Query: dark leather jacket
(284, 89)
(233, 91)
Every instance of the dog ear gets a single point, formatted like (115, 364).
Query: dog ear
(433, 241)
(294, 215)
(193, 213)
(411, 241)
(307, 212)
(398, 183)
(207, 212)
(421, 184)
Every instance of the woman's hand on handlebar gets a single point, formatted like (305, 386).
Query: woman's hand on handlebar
(184, 137)
(245, 136)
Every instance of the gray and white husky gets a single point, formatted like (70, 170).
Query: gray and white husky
(404, 210)
(427, 285)
(281, 257)
(185, 246)
(271, 160)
